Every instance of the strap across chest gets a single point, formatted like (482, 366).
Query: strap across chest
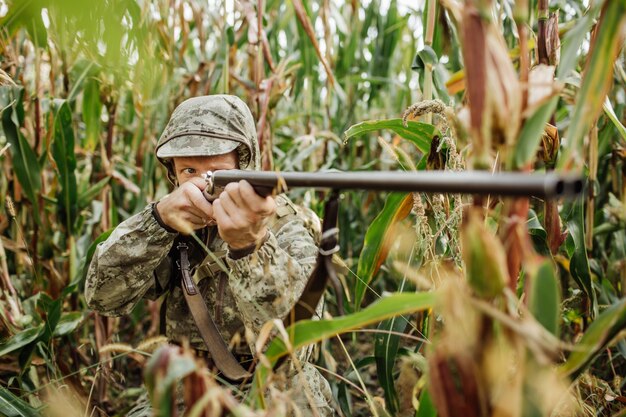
(303, 309)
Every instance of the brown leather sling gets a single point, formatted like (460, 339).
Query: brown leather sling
(304, 308)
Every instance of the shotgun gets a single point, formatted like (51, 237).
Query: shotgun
(546, 186)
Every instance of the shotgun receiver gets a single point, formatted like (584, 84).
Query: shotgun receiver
(547, 186)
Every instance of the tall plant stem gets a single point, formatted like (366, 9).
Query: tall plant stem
(37, 148)
(428, 41)
(112, 108)
(592, 158)
(263, 94)
(521, 21)
(552, 221)
(324, 14)
(13, 301)
(623, 268)
(542, 28)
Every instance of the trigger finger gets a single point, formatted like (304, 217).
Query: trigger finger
(199, 201)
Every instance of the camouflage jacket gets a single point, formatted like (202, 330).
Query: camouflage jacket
(138, 260)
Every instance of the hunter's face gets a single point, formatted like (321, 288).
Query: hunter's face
(189, 167)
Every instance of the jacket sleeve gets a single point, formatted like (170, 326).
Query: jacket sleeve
(130, 265)
(267, 283)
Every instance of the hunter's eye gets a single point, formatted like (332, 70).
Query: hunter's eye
(189, 171)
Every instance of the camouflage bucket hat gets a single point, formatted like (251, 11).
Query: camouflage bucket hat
(207, 126)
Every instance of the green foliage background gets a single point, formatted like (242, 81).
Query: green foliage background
(87, 87)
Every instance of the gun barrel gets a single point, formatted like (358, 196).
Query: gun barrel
(547, 186)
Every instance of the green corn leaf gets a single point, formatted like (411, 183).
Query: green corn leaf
(530, 135)
(53, 315)
(20, 340)
(385, 351)
(26, 14)
(538, 233)
(68, 323)
(37, 30)
(80, 72)
(420, 134)
(425, 56)
(378, 240)
(65, 158)
(598, 337)
(307, 332)
(608, 110)
(426, 406)
(544, 297)
(574, 38)
(85, 199)
(23, 157)
(597, 77)
(359, 365)
(92, 109)
(579, 263)
(13, 406)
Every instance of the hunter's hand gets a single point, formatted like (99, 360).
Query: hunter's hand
(241, 215)
(186, 209)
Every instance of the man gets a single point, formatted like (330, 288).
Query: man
(263, 242)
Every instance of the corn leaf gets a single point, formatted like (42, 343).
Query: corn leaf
(608, 110)
(389, 27)
(26, 14)
(378, 240)
(20, 340)
(307, 26)
(68, 323)
(426, 406)
(307, 332)
(530, 134)
(23, 157)
(544, 298)
(538, 233)
(579, 263)
(597, 77)
(13, 406)
(92, 108)
(598, 337)
(53, 315)
(85, 199)
(420, 134)
(385, 352)
(65, 158)
(574, 38)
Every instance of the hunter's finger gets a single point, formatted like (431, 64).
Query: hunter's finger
(224, 222)
(228, 205)
(233, 192)
(197, 199)
(263, 206)
(199, 182)
(197, 220)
